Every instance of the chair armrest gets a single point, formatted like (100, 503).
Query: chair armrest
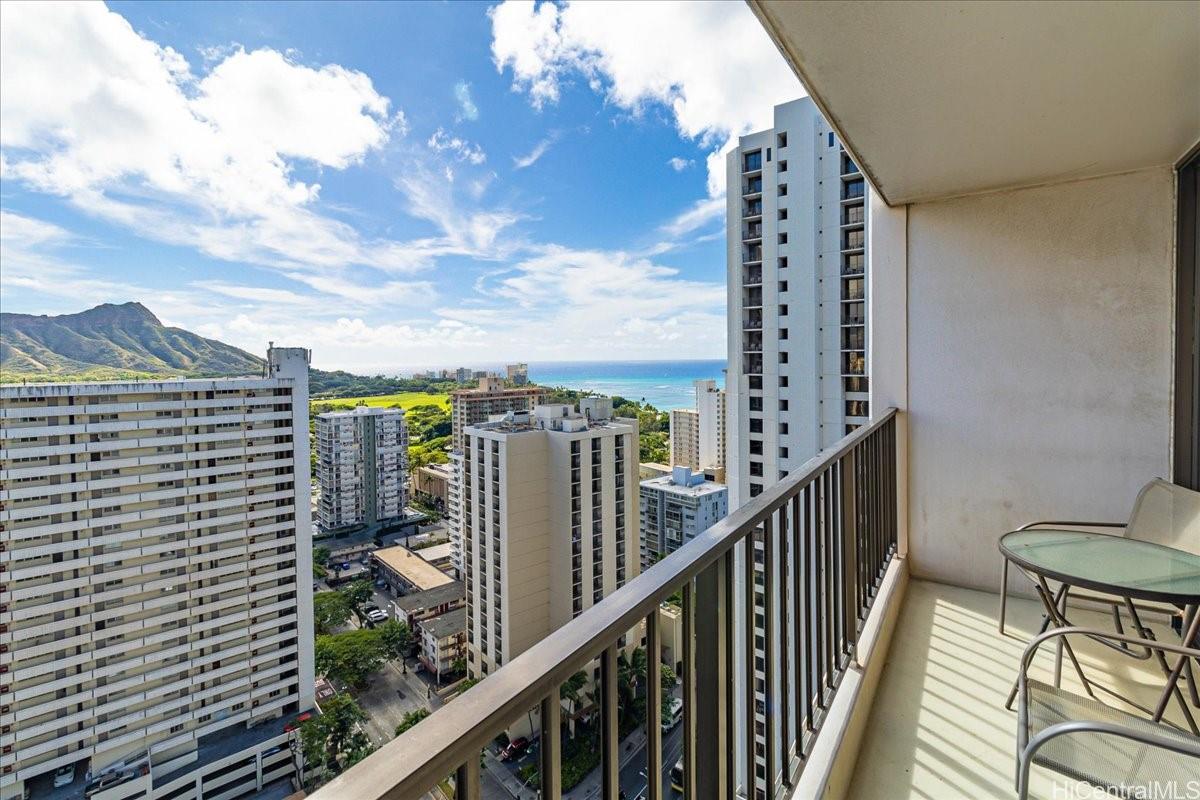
(1094, 633)
(1060, 523)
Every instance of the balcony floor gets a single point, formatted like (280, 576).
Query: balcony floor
(938, 728)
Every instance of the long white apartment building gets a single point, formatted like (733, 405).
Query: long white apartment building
(675, 508)
(796, 217)
(685, 438)
(362, 466)
(550, 523)
(155, 594)
(491, 398)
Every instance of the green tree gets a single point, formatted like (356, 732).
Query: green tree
(330, 610)
(395, 638)
(667, 679)
(571, 688)
(351, 657)
(357, 594)
(411, 718)
(459, 666)
(333, 740)
(320, 560)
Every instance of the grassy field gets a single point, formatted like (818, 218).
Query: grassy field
(405, 400)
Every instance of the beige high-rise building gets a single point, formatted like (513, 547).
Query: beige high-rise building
(491, 398)
(685, 438)
(550, 523)
(155, 592)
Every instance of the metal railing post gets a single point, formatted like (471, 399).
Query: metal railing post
(850, 606)
(610, 746)
(654, 698)
(551, 747)
(711, 766)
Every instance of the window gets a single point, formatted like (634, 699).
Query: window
(782, 214)
(756, 425)
(783, 286)
(768, 154)
(783, 309)
(783, 189)
(752, 161)
(756, 448)
(783, 452)
(783, 262)
(781, 140)
(783, 357)
(783, 166)
(783, 333)
(831, 138)
(783, 238)
(783, 428)
(756, 469)
(755, 489)
(783, 380)
(783, 405)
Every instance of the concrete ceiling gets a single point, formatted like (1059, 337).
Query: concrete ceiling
(938, 100)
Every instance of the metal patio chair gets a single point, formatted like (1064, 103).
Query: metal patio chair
(1091, 741)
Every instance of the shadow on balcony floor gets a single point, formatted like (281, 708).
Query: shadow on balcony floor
(938, 727)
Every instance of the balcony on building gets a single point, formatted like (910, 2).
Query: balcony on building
(1029, 186)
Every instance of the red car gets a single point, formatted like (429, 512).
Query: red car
(297, 722)
(516, 748)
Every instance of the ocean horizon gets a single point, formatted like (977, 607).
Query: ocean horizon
(665, 385)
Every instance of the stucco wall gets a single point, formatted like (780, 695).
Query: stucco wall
(1039, 352)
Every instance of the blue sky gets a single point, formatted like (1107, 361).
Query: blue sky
(391, 184)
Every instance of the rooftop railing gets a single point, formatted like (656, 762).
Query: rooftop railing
(797, 568)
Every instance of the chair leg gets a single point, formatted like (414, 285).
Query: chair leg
(1003, 594)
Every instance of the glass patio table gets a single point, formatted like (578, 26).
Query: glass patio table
(1117, 566)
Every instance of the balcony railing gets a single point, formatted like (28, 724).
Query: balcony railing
(822, 539)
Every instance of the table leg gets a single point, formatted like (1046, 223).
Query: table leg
(1046, 620)
(1146, 633)
(1064, 623)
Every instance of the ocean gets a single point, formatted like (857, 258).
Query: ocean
(663, 384)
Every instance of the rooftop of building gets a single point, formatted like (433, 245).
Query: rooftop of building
(594, 413)
(437, 552)
(447, 624)
(682, 481)
(136, 386)
(441, 470)
(446, 593)
(495, 385)
(361, 411)
(411, 567)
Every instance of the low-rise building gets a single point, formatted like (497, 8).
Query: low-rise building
(675, 508)
(443, 641)
(413, 608)
(405, 571)
(440, 555)
(431, 483)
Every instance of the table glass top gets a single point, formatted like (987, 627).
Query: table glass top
(1101, 561)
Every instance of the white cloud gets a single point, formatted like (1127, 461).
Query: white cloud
(466, 106)
(680, 164)
(442, 142)
(700, 214)
(119, 126)
(639, 53)
(539, 150)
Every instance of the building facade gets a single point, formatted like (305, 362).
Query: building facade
(548, 525)
(443, 642)
(491, 398)
(431, 483)
(796, 216)
(796, 236)
(685, 438)
(518, 374)
(362, 466)
(674, 509)
(155, 597)
(710, 428)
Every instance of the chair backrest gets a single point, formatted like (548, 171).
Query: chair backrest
(1166, 514)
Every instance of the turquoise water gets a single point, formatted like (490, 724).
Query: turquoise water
(662, 384)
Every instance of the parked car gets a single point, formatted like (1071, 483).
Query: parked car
(375, 614)
(516, 748)
(106, 781)
(298, 721)
(64, 776)
(380, 584)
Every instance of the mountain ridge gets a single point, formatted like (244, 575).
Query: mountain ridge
(112, 341)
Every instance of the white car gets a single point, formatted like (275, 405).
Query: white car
(64, 776)
(377, 615)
